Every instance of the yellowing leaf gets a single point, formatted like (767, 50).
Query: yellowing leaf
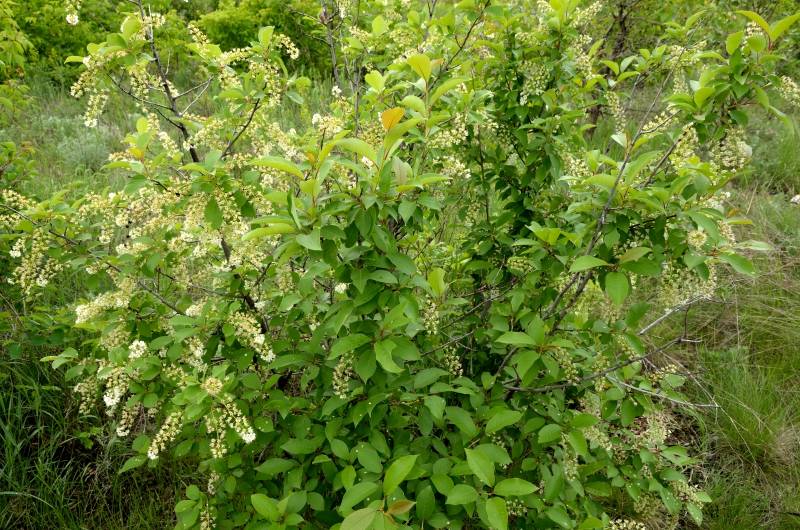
(391, 117)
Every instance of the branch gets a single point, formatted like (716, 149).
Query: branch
(173, 106)
(661, 395)
(243, 128)
(595, 375)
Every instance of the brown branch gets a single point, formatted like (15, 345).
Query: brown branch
(595, 375)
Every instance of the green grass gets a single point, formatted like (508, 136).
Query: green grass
(66, 152)
(55, 475)
(749, 366)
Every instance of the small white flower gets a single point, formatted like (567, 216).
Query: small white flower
(340, 288)
(137, 349)
(795, 199)
(72, 19)
(248, 436)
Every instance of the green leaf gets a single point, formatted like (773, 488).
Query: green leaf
(446, 87)
(132, 462)
(779, 28)
(360, 147)
(269, 230)
(755, 17)
(559, 515)
(265, 506)
(627, 412)
(356, 494)
(421, 64)
(436, 405)
(274, 466)
(347, 344)
(383, 354)
(586, 262)
(514, 487)
(436, 281)
(502, 419)
(462, 419)
(359, 520)
(497, 513)
(375, 80)
(617, 287)
(739, 263)
(213, 214)
(265, 35)
(549, 433)
(696, 512)
(276, 162)
(397, 473)
(516, 338)
(634, 254)
(368, 458)
(462, 494)
(310, 241)
(481, 466)
(733, 42)
(702, 94)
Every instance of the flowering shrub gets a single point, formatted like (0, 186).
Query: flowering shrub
(423, 306)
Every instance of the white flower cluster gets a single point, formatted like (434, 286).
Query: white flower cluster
(584, 16)
(452, 133)
(732, 153)
(249, 333)
(616, 110)
(342, 375)
(126, 420)
(535, 76)
(72, 7)
(575, 166)
(451, 362)
(430, 316)
(658, 429)
(196, 350)
(197, 35)
(288, 46)
(327, 125)
(116, 337)
(696, 239)
(790, 91)
(115, 299)
(626, 524)
(455, 169)
(569, 370)
(87, 391)
(137, 349)
(169, 431)
(212, 386)
(227, 416)
(686, 492)
(14, 200)
(117, 383)
(516, 508)
(682, 286)
(569, 461)
(685, 146)
(36, 269)
(584, 65)
(207, 520)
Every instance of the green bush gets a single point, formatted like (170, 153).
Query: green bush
(236, 25)
(422, 306)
